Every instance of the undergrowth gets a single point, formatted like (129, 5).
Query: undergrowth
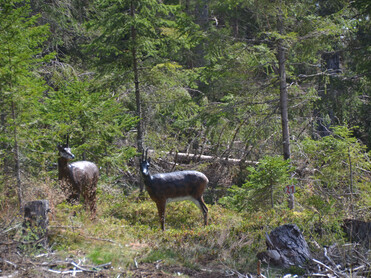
(126, 233)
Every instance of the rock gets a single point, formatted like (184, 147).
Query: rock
(286, 247)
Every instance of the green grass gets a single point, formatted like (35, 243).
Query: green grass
(127, 232)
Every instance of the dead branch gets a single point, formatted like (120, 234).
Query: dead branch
(337, 273)
(188, 157)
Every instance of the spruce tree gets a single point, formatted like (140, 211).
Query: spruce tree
(21, 89)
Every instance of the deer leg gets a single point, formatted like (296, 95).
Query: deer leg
(90, 194)
(161, 213)
(73, 194)
(203, 208)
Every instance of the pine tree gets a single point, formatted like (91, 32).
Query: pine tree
(21, 88)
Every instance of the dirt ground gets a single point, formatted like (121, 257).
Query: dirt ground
(14, 264)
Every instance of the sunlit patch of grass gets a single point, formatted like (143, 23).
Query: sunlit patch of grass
(127, 230)
(166, 255)
(103, 253)
(130, 230)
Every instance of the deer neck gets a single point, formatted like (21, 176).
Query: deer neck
(63, 169)
(147, 178)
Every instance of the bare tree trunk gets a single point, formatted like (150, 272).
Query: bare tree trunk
(137, 91)
(202, 18)
(272, 201)
(350, 180)
(136, 81)
(3, 145)
(284, 100)
(16, 158)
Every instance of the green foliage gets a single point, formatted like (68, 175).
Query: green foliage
(341, 171)
(21, 87)
(207, 87)
(94, 119)
(265, 185)
(112, 44)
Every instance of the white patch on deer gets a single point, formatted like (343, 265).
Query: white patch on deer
(82, 164)
(184, 198)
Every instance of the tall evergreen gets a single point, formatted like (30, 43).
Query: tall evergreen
(130, 38)
(21, 88)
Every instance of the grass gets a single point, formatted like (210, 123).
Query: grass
(127, 233)
(127, 230)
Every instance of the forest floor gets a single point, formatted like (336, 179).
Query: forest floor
(125, 240)
(52, 265)
(18, 260)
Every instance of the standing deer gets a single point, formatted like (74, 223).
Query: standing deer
(78, 178)
(175, 186)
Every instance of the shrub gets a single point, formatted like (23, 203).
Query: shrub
(265, 182)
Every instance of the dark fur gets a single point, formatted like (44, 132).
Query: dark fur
(173, 185)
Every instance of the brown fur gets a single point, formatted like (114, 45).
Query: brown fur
(79, 178)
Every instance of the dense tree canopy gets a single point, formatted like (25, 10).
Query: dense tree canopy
(269, 99)
(227, 79)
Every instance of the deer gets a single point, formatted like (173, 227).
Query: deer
(78, 178)
(174, 186)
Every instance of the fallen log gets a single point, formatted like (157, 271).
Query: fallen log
(186, 158)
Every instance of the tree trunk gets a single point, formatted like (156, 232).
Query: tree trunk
(202, 18)
(16, 158)
(4, 147)
(136, 81)
(350, 180)
(283, 95)
(272, 201)
(284, 100)
(137, 91)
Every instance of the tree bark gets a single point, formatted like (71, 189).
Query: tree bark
(136, 80)
(137, 91)
(283, 94)
(16, 158)
(286, 247)
(284, 100)
(36, 221)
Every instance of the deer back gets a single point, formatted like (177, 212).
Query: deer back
(83, 172)
(176, 184)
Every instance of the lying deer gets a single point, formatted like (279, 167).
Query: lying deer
(175, 186)
(78, 178)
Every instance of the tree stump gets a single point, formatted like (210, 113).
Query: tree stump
(286, 247)
(36, 221)
(358, 231)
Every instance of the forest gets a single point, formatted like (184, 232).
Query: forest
(270, 100)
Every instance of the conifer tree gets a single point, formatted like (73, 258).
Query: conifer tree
(20, 87)
(130, 38)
